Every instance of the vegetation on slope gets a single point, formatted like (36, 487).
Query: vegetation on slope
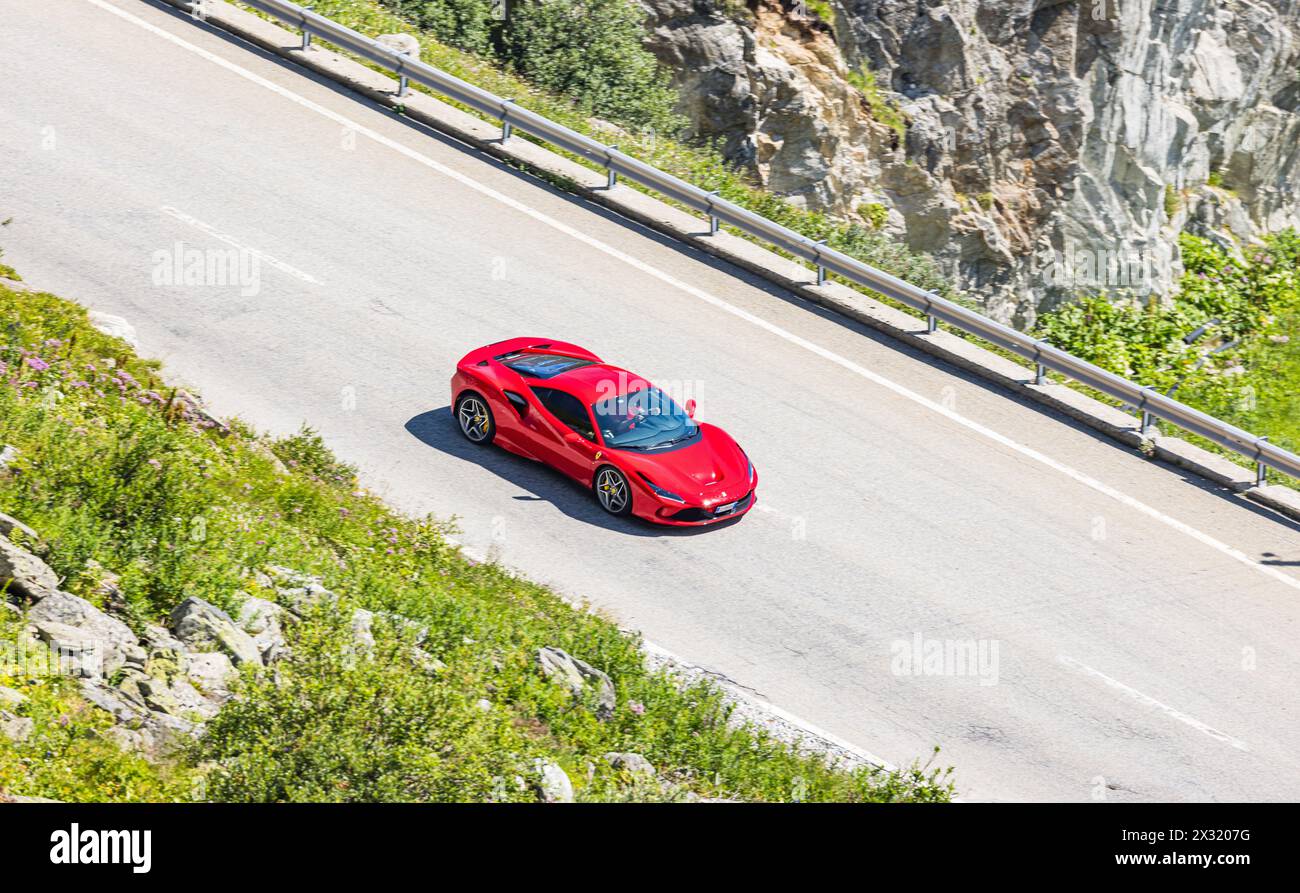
(1228, 344)
(66, 755)
(108, 470)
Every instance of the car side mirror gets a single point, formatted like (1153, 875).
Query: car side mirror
(690, 407)
(572, 437)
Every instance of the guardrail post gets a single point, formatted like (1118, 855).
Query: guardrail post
(1040, 371)
(821, 271)
(1146, 415)
(931, 323)
(403, 83)
(506, 127)
(1261, 470)
(713, 220)
(306, 35)
(611, 179)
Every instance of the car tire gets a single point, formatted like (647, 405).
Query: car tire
(474, 418)
(612, 490)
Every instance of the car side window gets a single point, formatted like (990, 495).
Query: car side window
(568, 409)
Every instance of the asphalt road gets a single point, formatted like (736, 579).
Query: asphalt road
(1127, 654)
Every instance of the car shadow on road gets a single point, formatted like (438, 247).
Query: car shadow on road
(541, 483)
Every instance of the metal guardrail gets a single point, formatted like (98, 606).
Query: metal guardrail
(1149, 402)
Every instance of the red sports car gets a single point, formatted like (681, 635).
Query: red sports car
(606, 428)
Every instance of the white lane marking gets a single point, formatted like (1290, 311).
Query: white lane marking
(772, 328)
(768, 707)
(232, 241)
(1152, 702)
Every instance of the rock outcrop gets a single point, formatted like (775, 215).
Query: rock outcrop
(553, 784)
(24, 574)
(65, 618)
(206, 627)
(576, 674)
(1050, 147)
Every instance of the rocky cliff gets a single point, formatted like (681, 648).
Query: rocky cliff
(1036, 148)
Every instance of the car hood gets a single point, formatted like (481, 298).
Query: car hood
(711, 470)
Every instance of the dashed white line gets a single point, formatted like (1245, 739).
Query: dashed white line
(233, 242)
(1152, 702)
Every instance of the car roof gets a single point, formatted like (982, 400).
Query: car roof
(597, 381)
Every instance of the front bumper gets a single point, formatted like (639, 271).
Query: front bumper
(696, 516)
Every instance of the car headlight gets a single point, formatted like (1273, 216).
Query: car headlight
(752, 473)
(660, 491)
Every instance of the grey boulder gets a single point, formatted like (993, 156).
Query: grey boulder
(201, 625)
(262, 620)
(114, 326)
(553, 783)
(401, 43)
(8, 524)
(16, 728)
(24, 573)
(110, 700)
(76, 652)
(576, 674)
(211, 671)
(362, 630)
(633, 763)
(115, 640)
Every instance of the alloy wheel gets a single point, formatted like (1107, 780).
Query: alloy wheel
(474, 419)
(611, 489)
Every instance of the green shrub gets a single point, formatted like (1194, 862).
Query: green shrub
(875, 214)
(308, 453)
(591, 50)
(1245, 366)
(822, 9)
(468, 24)
(334, 725)
(1173, 201)
(882, 108)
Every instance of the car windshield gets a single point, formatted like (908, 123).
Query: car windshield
(643, 420)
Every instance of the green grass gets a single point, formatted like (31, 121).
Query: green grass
(1173, 200)
(875, 214)
(111, 469)
(882, 108)
(822, 10)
